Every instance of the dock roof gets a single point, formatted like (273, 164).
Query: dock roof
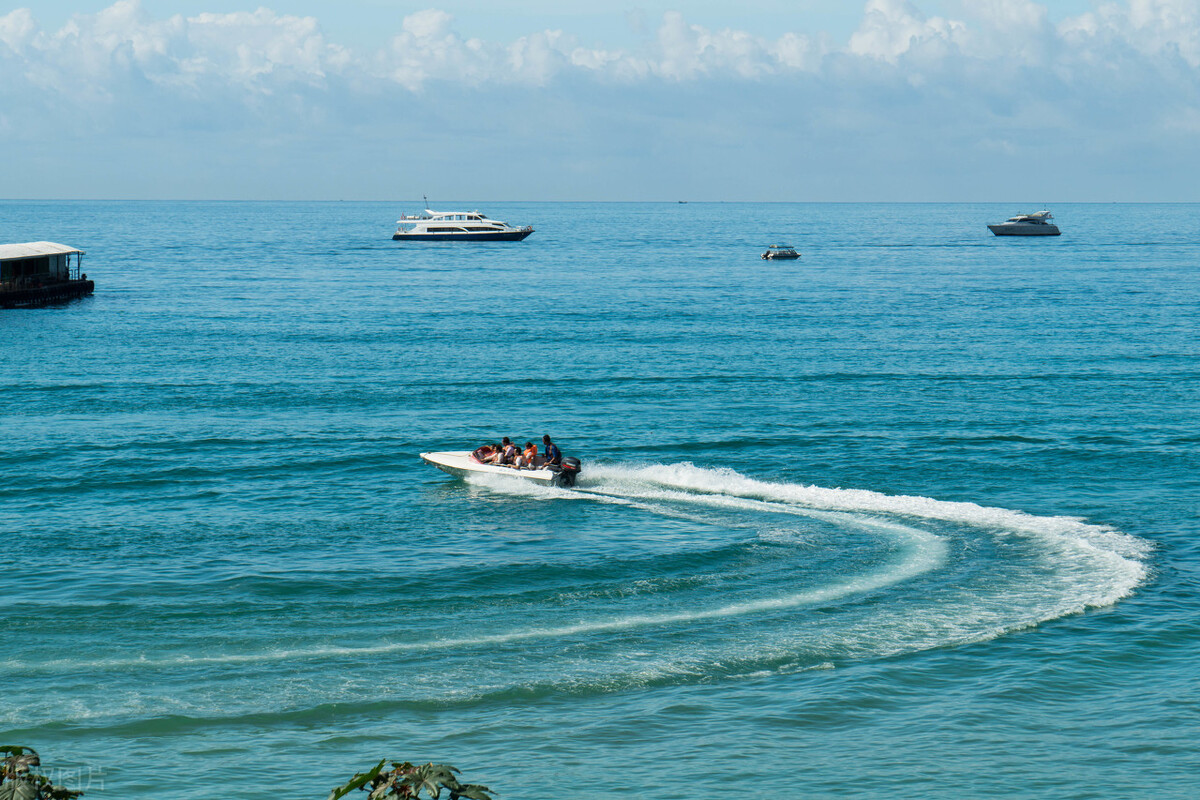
(10, 252)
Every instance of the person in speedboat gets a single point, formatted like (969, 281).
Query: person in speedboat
(495, 453)
(504, 454)
(528, 457)
(508, 453)
(552, 453)
(485, 453)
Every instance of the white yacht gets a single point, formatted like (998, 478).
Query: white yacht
(466, 226)
(782, 252)
(1037, 224)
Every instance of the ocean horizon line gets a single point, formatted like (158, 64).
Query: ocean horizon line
(598, 202)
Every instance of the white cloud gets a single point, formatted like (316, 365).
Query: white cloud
(1123, 75)
(1158, 25)
(891, 28)
(251, 48)
(428, 49)
(428, 25)
(537, 58)
(798, 52)
(263, 51)
(97, 57)
(16, 29)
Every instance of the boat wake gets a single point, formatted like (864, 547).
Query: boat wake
(668, 574)
(954, 572)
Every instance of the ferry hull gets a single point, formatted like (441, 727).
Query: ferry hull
(498, 236)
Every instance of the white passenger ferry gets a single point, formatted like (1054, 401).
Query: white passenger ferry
(466, 226)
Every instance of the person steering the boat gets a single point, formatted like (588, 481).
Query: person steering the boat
(553, 455)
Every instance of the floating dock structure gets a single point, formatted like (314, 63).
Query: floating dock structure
(40, 273)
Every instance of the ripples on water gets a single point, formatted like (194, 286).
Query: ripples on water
(925, 495)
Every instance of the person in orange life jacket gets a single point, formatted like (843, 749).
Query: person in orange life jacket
(528, 457)
(553, 455)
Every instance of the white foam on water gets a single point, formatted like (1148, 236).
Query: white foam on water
(1115, 558)
(690, 478)
(1083, 565)
(1092, 566)
(1062, 565)
(923, 553)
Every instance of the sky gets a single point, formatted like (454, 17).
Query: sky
(741, 100)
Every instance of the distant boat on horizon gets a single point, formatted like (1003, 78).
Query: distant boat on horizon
(780, 252)
(466, 226)
(1036, 224)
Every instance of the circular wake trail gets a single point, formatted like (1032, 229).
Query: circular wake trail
(933, 572)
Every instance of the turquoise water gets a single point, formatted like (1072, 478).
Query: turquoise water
(915, 516)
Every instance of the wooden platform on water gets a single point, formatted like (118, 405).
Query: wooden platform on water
(59, 292)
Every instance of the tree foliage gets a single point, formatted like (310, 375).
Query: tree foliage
(404, 781)
(19, 782)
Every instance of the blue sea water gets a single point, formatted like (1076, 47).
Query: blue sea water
(913, 517)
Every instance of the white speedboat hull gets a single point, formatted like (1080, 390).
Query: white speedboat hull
(460, 463)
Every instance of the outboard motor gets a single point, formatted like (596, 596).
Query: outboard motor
(567, 472)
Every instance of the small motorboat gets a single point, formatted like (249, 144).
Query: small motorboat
(1037, 224)
(465, 462)
(781, 252)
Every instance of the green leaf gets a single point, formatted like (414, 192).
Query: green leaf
(60, 793)
(472, 791)
(19, 789)
(18, 760)
(357, 782)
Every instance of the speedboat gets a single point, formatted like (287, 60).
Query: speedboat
(781, 252)
(464, 462)
(463, 226)
(1037, 224)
